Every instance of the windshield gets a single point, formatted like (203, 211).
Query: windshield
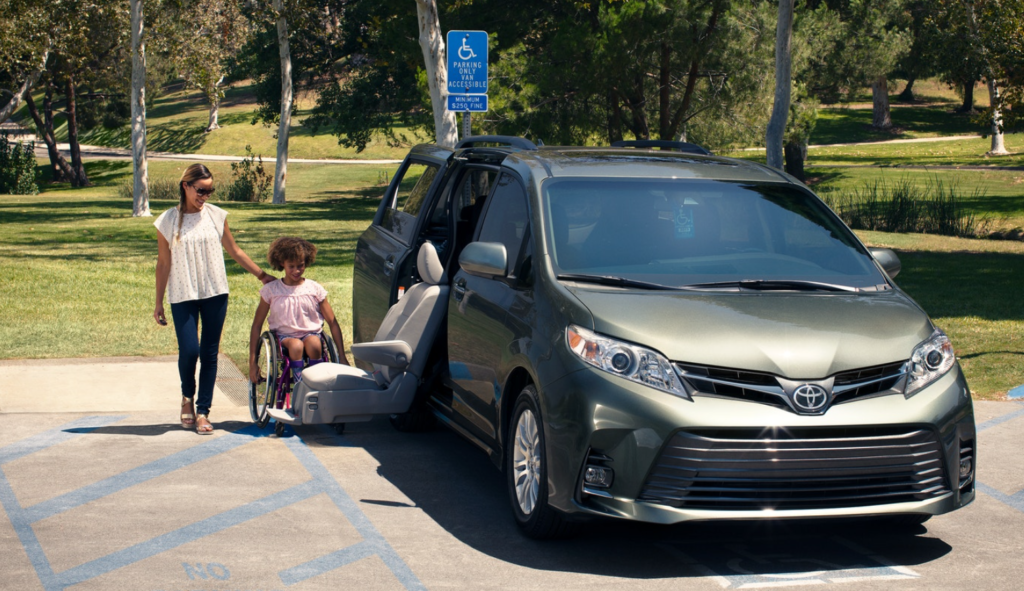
(683, 232)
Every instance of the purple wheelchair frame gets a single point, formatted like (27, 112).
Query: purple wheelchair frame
(283, 387)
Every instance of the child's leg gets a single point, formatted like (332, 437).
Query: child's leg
(314, 349)
(293, 347)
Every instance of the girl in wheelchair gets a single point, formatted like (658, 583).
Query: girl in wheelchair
(297, 309)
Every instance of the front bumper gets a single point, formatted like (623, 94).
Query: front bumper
(631, 427)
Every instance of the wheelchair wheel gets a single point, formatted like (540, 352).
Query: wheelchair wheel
(263, 395)
(329, 347)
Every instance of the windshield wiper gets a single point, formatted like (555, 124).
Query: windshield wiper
(774, 285)
(616, 281)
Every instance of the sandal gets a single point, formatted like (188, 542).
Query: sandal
(188, 413)
(203, 425)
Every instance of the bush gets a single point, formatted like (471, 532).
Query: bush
(901, 206)
(249, 180)
(17, 168)
(159, 188)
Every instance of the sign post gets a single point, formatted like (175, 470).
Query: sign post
(467, 75)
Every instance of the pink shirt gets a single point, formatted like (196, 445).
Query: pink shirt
(294, 310)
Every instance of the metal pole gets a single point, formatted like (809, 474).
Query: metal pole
(467, 124)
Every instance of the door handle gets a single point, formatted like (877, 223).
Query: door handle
(460, 290)
(389, 265)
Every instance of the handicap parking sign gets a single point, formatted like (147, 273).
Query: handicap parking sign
(467, 62)
(474, 103)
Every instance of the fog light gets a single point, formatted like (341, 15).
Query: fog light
(598, 476)
(966, 467)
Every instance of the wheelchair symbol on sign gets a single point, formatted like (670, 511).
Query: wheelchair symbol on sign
(465, 49)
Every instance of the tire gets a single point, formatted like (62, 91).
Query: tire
(526, 473)
(329, 347)
(279, 429)
(263, 394)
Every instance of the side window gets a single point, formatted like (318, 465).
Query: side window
(400, 217)
(507, 217)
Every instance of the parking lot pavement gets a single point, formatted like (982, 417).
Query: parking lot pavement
(123, 498)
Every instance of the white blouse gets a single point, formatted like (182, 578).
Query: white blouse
(197, 258)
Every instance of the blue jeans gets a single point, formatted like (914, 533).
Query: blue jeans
(188, 317)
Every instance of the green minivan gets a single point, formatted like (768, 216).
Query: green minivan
(663, 335)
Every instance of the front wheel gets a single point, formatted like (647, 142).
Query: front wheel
(263, 394)
(527, 472)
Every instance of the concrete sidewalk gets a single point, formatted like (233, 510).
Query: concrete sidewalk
(101, 489)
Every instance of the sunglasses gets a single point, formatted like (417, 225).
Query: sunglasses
(202, 192)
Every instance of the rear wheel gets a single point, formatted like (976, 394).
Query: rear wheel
(527, 472)
(262, 394)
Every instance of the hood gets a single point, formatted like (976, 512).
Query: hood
(794, 335)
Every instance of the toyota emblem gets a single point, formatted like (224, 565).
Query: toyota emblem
(810, 398)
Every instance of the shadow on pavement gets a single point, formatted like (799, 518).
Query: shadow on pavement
(458, 487)
(239, 427)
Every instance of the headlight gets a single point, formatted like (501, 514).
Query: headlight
(930, 360)
(637, 364)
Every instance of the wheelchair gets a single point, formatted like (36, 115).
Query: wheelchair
(274, 387)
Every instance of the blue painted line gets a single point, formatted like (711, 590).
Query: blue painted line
(1016, 393)
(1000, 420)
(1016, 500)
(47, 439)
(189, 533)
(155, 469)
(356, 517)
(27, 535)
(323, 564)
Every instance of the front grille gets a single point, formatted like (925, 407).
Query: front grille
(757, 387)
(859, 383)
(745, 470)
(765, 388)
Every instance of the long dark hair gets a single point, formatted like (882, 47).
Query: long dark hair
(195, 172)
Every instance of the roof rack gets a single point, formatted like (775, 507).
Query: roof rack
(663, 144)
(515, 142)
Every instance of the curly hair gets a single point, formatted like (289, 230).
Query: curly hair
(289, 249)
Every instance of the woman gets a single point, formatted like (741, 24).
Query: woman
(190, 268)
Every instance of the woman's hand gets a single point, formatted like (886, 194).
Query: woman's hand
(266, 277)
(158, 315)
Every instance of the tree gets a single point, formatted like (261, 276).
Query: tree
(205, 36)
(140, 167)
(783, 83)
(284, 126)
(25, 48)
(980, 46)
(432, 44)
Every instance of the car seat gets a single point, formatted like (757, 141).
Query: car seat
(334, 393)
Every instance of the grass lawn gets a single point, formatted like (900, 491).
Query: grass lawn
(176, 121)
(79, 270)
(841, 125)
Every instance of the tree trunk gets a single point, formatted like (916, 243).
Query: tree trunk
(60, 170)
(665, 93)
(907, 96)
(140, 167)
(968, 104)
(998, 145)
(614, 117)
(880, 108)
(680, 118)
(15, 102)
(214, 106)
(796, 154)
(432, 44)
(281, 172)
(78, 178)
(783, 84)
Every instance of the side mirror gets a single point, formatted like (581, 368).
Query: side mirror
(484, 259)
(888, 259)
